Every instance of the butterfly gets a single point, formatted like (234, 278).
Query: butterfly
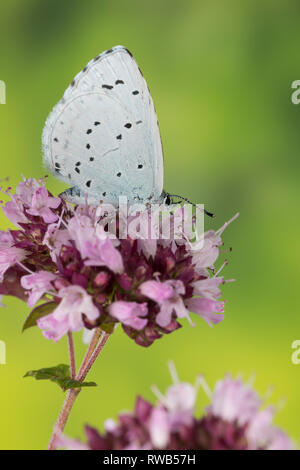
(103, 136)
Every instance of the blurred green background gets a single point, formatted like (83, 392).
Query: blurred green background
(220, 74)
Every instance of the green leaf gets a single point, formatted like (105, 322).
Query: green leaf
(60, 375)
(38, 312)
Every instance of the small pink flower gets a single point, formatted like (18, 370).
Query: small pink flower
(52, 328)
(6, 240)
(159, 427)
(167, 295)
(157, 291)
(8, 257)
(233, 400)
(14, 211)
(38, 283)
(206, 309)
(129, 313)
(94, 244)
(82, 230)
(144, 229)
(68, 314)
(148, 247)
(42, 204)
(180, 400)
(262, 434)
(55, 238)
(25, 190)
(108, 256)
(208, 288)
(167, 308)
(181, 397)
(207, 255)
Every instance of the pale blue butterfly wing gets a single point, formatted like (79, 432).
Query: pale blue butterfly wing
(103, 136)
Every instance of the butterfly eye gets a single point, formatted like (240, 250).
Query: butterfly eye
(168, 200)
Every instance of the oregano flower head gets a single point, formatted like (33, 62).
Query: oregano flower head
(87, 275)
(236, 419)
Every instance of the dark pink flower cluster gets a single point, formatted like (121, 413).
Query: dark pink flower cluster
(66, 256)
(234, 420)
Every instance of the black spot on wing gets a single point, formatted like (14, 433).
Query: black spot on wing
(119, 174)
(88, 183)
(107, 87)
(119, 82)
(119, 137)
(88, 146)
(128, 125)
(89, 131)
(96, 123)
(135, 92)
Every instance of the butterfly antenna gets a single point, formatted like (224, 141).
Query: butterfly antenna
(210, 214)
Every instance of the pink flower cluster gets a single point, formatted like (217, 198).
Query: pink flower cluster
(65, 256)
(234, 420)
